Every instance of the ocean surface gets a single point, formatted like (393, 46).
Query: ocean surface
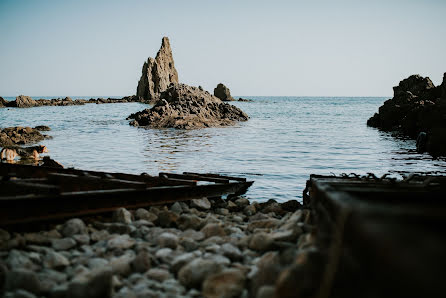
(286, 140)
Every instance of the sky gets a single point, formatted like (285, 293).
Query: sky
(281, 48)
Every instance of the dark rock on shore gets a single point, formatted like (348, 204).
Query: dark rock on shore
(185, 107)
(417, 106)
(157, 74)
(19, 135)
(223, 92)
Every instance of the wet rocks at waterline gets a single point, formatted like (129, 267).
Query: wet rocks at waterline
(186, 107)
(19, 135)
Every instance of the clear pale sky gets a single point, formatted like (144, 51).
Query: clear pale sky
(301, 48)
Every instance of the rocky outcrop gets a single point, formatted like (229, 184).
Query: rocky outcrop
(417, 106)
(26, 101)
(19, 135)
(223, 92)
(3, 102)
(157, 74)
(185, 107)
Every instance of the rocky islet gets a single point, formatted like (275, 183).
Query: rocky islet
(186, 107)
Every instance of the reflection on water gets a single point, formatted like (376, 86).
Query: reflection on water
(286, 140)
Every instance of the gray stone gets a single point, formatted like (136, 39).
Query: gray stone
(20, 294)
(50, 278)
(181, 260)
(74, 226)
(95, 284)
(82, 239)
(63, 244)
(167, 219)
(266, 292)
(158, 274)
(142, 262)
(55, 260)
(120, 242)
(242, 202)
(213, 229)
(164, 254)
(19, 259)
(232, 252)
(193, 274)
(270, 223)
(176, 207)
(249, 210)
(122, 215)
(202, 204)
(122, 265)
(261, 242)
(167, 239)
(97, 263)
(142, 213)
(192, 234)
(189, 221)
(22, 279)
(226, 284)
(99, 235)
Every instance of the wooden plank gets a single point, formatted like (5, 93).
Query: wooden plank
(217, 176)
(22, 210)
(194, 177)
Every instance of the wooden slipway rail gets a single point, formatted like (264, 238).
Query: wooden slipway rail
(385, 237)
(31, 193)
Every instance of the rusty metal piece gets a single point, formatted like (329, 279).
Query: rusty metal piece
(34, 193)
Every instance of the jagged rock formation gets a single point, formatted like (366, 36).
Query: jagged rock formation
(185, 107)
(157, 74)
(223, 92)
(417, 106)
(19, 135)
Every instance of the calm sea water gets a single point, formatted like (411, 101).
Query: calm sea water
(286, 140)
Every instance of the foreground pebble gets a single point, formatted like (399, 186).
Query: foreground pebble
(206, 247)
